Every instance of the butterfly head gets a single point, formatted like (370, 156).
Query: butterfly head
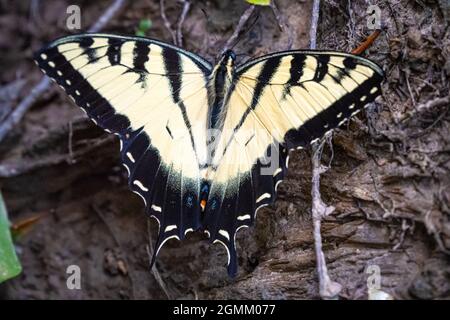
(229, 55)
(226, 63)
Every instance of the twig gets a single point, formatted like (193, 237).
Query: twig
(409, 90)
(282, 23)
(328, 289)
(367, 43)
(13, 170)
(242, 21)
(14, 117)
(105, 221)
(18, 113)
(186, 6)
(70, 141)
(431, 104)
(314, 23)
(154, 270)
(167, 22)
(107, 15)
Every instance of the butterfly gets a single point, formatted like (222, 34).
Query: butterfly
(206, 146)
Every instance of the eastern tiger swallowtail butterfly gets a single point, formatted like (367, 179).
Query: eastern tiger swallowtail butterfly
(196, 138)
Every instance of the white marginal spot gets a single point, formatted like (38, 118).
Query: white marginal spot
(277, 171)
(326, 126)
(342, 122)
(87, 104)
(339, 115)
(170, 228)
(263, 205)
(225, 234)
(299, 148)
(94, 121)
(157, 220)
(51, 64)
(68, 82)
(287, 161)
(276, 184)
(375, 89)
(59, 73)
(156, 208)
(140, 195)
(77, 92)
(363, 98)
(140, 185)
(262, 197)
(355, 112)
(352, 106)
(244, 217)
(43, 56)
(235, 233)
(208, 234)
(126, 167)
(162, 243)
(188, 230)
(121, 144)
(130, 156)
(107, 130)
(228, 251)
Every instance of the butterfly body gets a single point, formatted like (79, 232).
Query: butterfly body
(207, 146)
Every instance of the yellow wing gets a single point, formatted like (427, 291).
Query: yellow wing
(154, 97)
(279, 102)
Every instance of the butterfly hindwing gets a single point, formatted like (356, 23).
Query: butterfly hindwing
(153, 96)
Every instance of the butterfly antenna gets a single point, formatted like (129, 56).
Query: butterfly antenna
(208, 24)
(246, 31)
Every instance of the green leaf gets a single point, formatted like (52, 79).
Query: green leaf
(9, 264)
(259, 2)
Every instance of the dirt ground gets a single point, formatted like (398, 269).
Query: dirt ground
(389, 178)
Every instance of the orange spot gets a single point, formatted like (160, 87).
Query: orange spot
(203, 204)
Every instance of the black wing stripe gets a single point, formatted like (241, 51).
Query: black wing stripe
(113, 51)
(141, 54)
(267, 72)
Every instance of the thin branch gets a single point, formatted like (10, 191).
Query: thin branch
(282, 23)
(154, 270)
(328, 289)
(314, 24)
(431, 104)
(123, 252)
(186, 7)
(16, 169)
(242, 21)
(107, 15)
(16, 116)
(167, 22)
